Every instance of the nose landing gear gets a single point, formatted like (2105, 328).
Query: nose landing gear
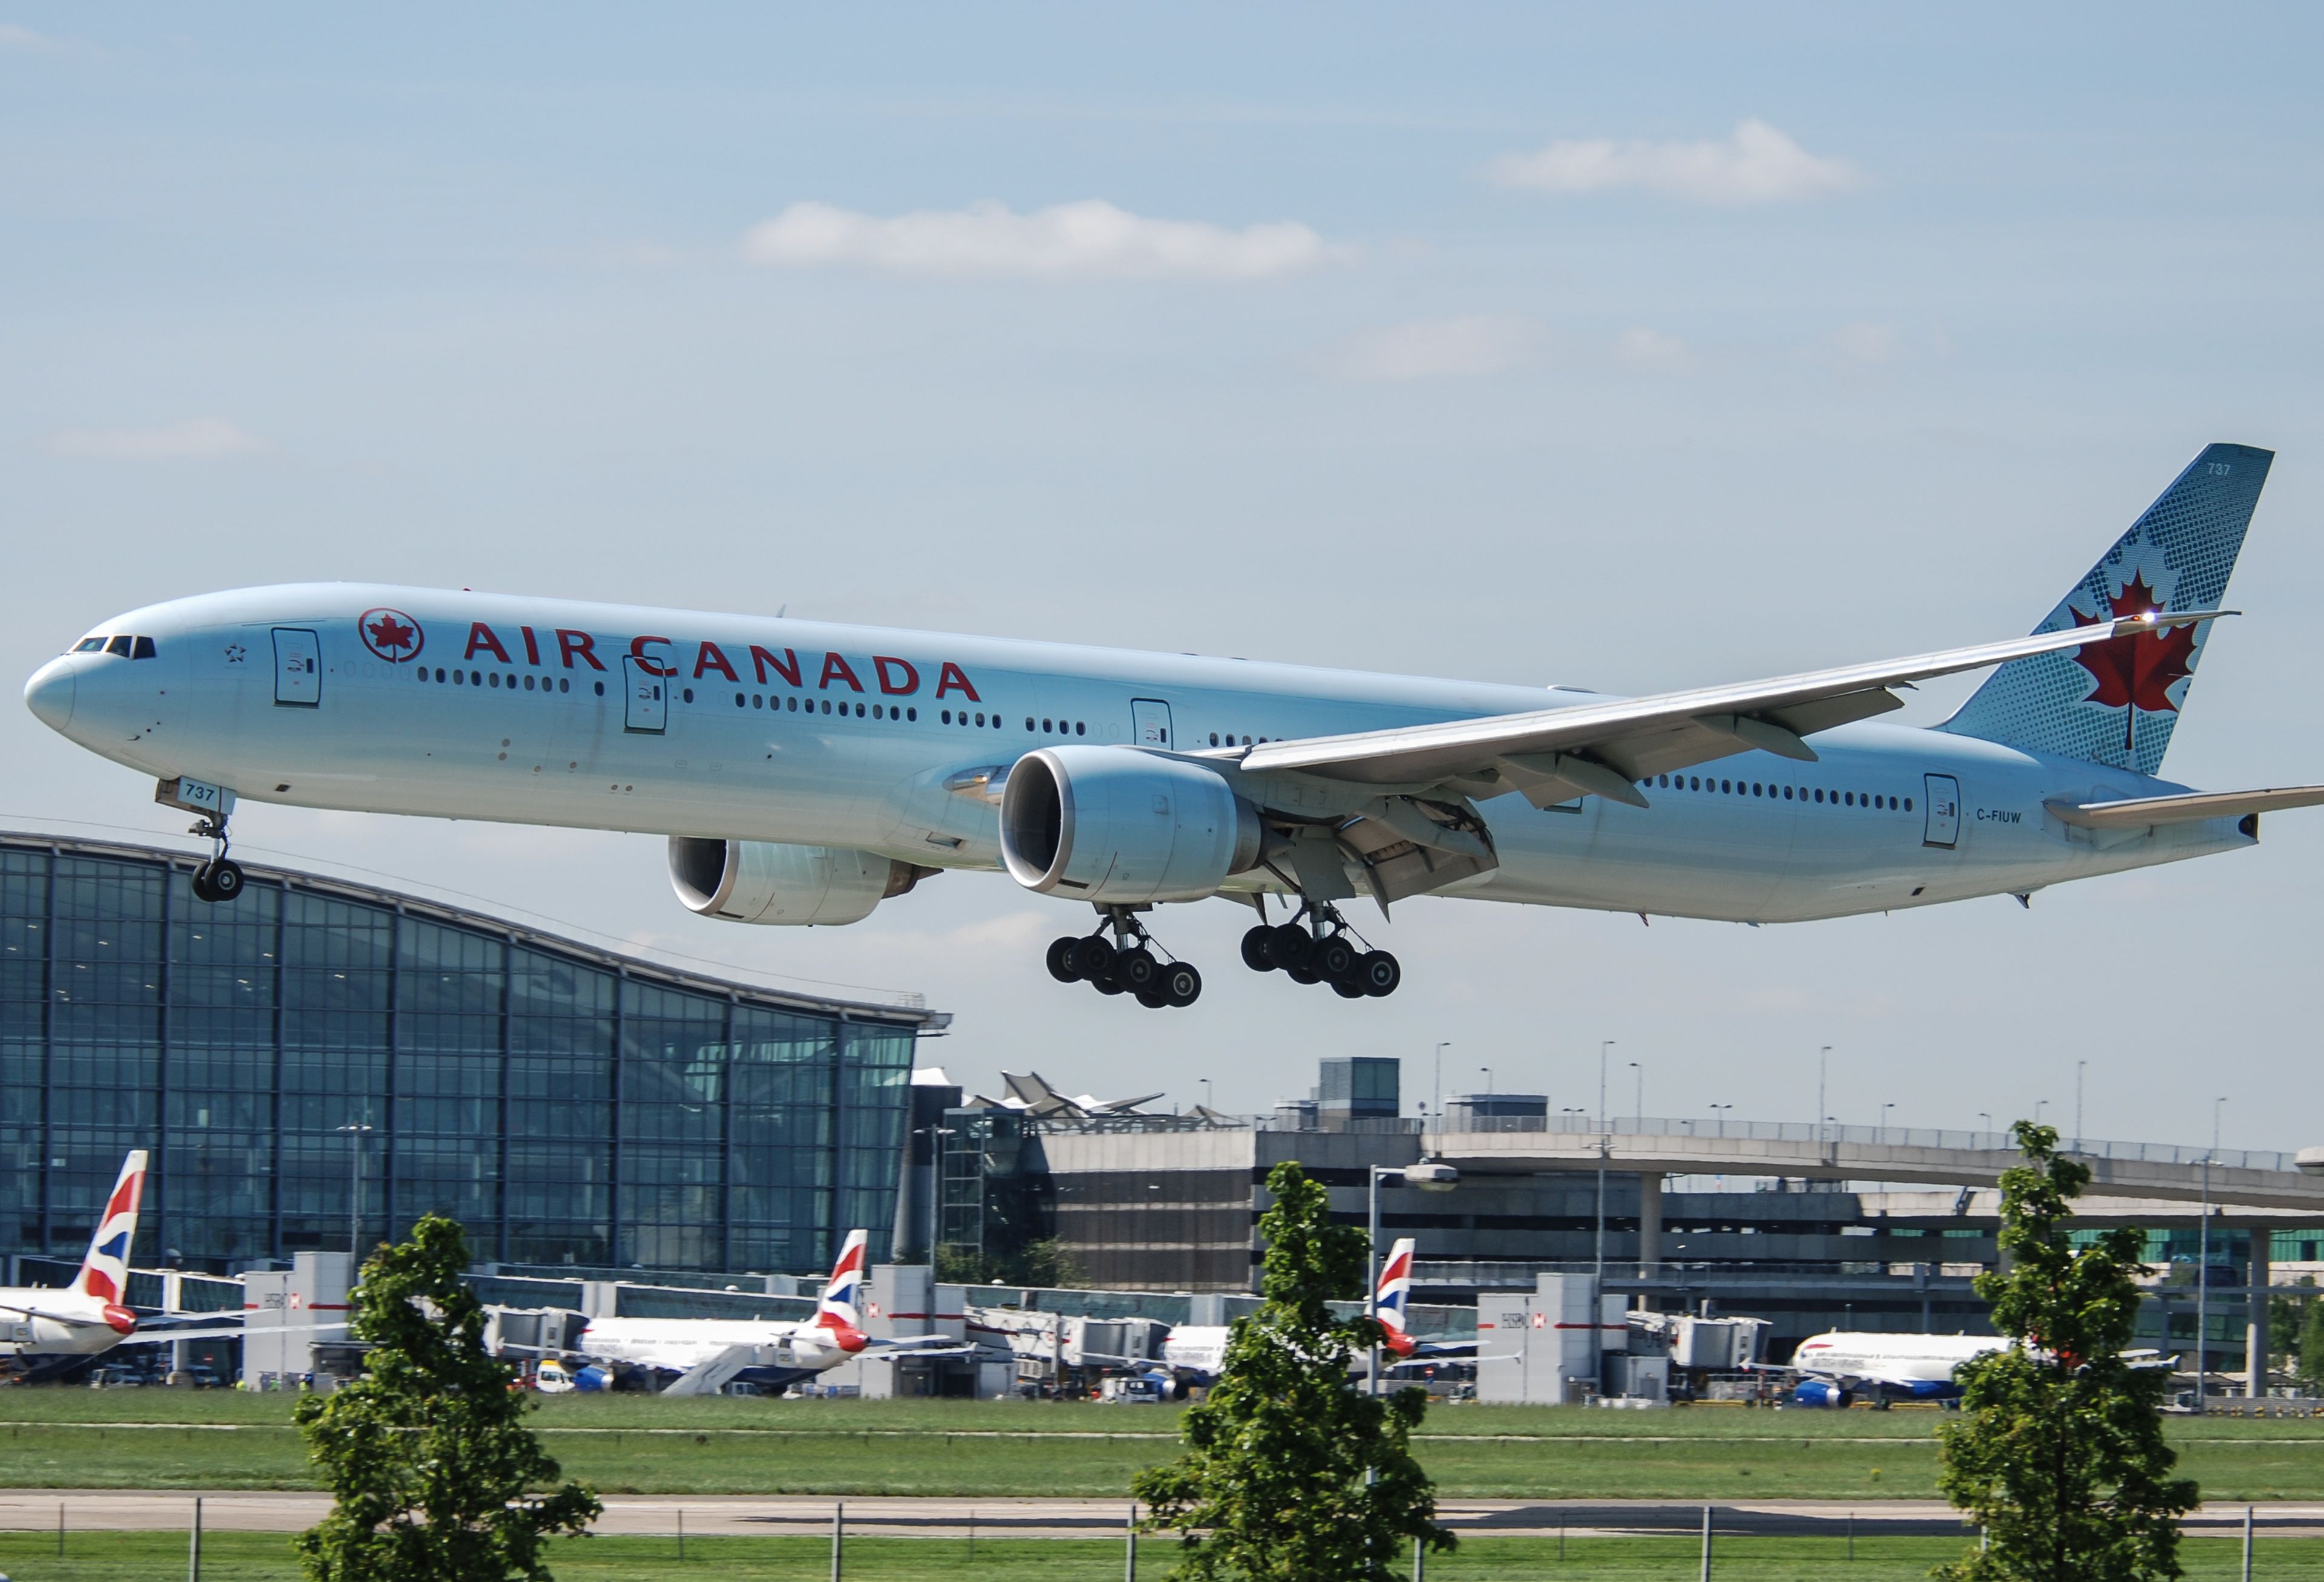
(1124, 964)
(1322, 950)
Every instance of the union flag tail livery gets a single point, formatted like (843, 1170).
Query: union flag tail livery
(104, 1272)
(2115, 702)
(1391, 1297)
(840, 1312)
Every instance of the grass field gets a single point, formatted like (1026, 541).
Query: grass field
(261, 1558)
(637, 1444)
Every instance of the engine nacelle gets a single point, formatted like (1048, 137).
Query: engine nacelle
(1123, 827)
(760, 881)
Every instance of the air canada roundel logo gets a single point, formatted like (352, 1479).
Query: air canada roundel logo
(391, 635)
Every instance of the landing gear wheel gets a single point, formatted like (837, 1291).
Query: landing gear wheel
(202, 883)
(1062, 964)
(1347, 988)
(1181, 984)
(1289, 946)
(1379, 972)
(1153, 997)
(1106, 983)
(1334, 957)
(1137, 969)
(1301, 975)
(1094, 957)
(1259, 949)
(226, 880)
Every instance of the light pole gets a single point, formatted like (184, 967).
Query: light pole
(1824, 1059)
(1719, 1113)
(2080, 1067)
(1487, 1071)
(356, 1133)
(1603, 1045)
(1206, 1092)
(2203, 1271)
(1638, 1094)
(935, 1136)
(1987, 1117)
(1437, 1095)
(1429, 1178)
(1884, 1118)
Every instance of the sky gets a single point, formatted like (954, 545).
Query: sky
(1630, 347)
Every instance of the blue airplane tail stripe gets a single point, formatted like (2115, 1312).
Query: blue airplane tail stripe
(2115, 702)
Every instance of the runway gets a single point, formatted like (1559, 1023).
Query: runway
(907, 1516)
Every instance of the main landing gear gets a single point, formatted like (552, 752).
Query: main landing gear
(219, 878)
(1322, 950)
(1124, 964)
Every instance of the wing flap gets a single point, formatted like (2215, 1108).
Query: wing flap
(2139, 812)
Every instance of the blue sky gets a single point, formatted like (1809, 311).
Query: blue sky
(1630, 347)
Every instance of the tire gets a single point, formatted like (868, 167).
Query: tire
(1259, 949)
(1062, 963)
(1106, 983)
(202, 883)
(1334, 957)
(1153, 997)
(1288, 945)
(1348, 988)
(1301, 975)
(1094, 957)
(226, 880)
(1137, 969)
(1379, 972)
(1182, 985)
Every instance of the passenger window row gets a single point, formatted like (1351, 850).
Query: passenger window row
(1871, 799)
(1059, 727)
(1230, 740)
(128, 648)
(493, 678)
(759, 700)
(964, 719)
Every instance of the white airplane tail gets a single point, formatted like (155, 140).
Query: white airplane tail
(1393, 1295)
(840, 1312)
(104, 1272)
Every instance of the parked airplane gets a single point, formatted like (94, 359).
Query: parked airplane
(1839, 1365)
(1194, 1353)
(700, 1357)
(804, 773)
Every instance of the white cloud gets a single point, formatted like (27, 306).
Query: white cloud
(1090, 239)
(1866, 343)
(1651, 348)
(1757, 164)
(195, 437)
(1438, 348)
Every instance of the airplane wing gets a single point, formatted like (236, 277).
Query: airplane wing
(1603, 748)
(921, 1346)
(2139, 812)
(712, 1374)
(164, 1336)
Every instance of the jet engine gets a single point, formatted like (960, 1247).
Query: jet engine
(760, 881)
(1122, 826)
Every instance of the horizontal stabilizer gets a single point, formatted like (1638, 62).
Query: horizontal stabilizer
(2184, 808)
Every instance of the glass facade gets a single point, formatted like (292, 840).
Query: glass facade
(566, 1104)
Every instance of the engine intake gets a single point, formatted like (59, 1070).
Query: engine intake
(762, 881)
(1123, 827)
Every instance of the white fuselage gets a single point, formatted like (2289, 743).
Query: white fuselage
(676, 1345)
(1897, 1359)
(854, 737)
(42, 1321)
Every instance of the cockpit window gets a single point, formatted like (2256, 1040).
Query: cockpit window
(90, 645)
(143, 650)
(117, 645)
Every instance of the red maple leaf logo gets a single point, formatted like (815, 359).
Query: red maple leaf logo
(2139, 669)
(390, 634)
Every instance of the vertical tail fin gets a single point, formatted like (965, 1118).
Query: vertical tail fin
(1393, 1296)
(2116, 701)
(840, 1312)
(104, 1272)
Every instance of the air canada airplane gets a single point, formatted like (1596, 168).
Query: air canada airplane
(804, 773)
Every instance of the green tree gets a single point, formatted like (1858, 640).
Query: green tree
(2310, 1345)
(2059, 1452)
(426, 1456)
(1292, 1473)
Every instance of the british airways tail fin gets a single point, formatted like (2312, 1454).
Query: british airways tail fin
(104, 1272)
(840, 1312)
(2114, 702)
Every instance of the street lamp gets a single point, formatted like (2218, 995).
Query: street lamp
(1437, 1095)
(1824, 1059)
(1718, 1113)
(935, 1136)
(1488, 1070)
(1987, 1117)
(1603, 1045)
(2203, 1271)
(1429, 1177)
(1638, 1095)
(2080, 1066)
(356, 1133)
(1884, 1118)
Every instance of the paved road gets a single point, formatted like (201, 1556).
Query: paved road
(246, 1510)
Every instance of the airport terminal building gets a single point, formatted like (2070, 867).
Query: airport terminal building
(570, 1106)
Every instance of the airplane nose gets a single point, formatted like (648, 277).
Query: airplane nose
(49, 695)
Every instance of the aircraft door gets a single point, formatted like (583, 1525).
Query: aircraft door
(298, 668)
(1943, 826)
(645, 705)
(1149, 721)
